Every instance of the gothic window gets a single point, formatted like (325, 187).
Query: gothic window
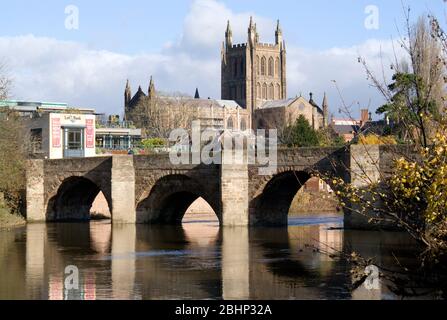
(271, 67)
(263, 62)
(271, 92)
(257, 66)
(233, 93)
(235, 68)
(264, 91)
(243, 125)
(278, 92)
(230, 124)
(277, 67)
(258, 91)
(242, 92)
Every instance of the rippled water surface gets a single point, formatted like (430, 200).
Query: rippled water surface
(195, 261)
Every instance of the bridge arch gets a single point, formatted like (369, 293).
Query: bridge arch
(169, 199)
(74, 199)
(271, 205)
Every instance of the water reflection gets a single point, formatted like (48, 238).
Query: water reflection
(196, 261)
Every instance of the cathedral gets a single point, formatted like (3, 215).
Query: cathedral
(253, 90)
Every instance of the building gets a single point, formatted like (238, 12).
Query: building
(160, 114)
(349, 128)
(253, 94)
(278, 114)
(253, 72)
(56, 130)
(114, 135)
(254, 75)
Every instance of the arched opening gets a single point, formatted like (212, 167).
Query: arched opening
(243, 125)
(75, 201)
(171, 198)
(264, 91)
(271, 67)
(275, 204)
(263, 66)
(230, 123)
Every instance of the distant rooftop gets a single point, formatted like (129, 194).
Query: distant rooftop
(34, 106)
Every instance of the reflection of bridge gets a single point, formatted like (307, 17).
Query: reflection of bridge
(149, 189)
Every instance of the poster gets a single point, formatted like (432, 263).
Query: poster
(56, 132)
(90, 133)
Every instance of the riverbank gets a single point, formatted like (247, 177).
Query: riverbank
(314, 202)
(8, 220)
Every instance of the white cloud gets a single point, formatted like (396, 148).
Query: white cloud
(52, 70)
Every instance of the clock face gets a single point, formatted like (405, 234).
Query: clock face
(302, 107)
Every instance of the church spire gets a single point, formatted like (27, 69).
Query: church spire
(325, 106)
(278, 34)
(127, 94)
(229, 36)
(251, 32)
(197, 95)
(151, 91)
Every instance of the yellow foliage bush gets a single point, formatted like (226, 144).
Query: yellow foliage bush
(373, 139)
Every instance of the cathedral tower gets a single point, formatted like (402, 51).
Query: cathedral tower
(253, 72)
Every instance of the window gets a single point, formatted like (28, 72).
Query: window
(235, 68)
(36, 140)
(277, 67)
(278, 92)
(243, 125)
(271, 67)
(257, 65)
(263, 62)
(73, 142)
(230, 124)
(74, 139)
(264, 91)
(233, 93)
(271, 92)
(258, 91)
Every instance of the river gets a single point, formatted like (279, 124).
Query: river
(195, 261)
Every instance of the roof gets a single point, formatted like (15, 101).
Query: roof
(30, 106)
(345, 129)
(228, 104)
(277, 103)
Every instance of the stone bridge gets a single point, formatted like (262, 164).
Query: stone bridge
(150, 189)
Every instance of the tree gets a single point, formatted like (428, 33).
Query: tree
(13, 146)
(160, 115)
(415, 98)
(5, 82)
(300, 134)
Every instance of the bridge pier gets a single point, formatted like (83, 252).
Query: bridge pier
(364, 170)
(123, 190)
(234, 195)
(35, 191)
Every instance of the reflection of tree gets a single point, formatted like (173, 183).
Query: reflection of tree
(297, 264)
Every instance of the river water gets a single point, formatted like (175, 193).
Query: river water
(196, 261)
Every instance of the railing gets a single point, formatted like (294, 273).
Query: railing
(115, 125)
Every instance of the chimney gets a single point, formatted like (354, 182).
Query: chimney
(364, 116)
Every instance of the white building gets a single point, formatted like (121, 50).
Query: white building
(56, 130)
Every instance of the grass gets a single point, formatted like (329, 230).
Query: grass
(8, 220)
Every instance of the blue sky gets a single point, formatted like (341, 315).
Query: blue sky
(139, 25)
(176, 42)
